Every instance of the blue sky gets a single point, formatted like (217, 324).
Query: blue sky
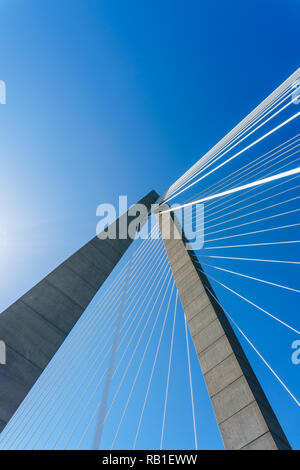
(112, 97)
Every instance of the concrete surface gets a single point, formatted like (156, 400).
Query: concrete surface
(243, 412)
(35, 326)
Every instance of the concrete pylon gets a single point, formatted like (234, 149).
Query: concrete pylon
(34, 327)
(244, 415)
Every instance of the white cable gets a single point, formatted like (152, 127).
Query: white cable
(269, 179)
(256, 220)
(252, 278)
(169, 371)
(251, 213)
(92, 341)
(249, 205)
(191, 383)
(232, 135)
(153, 368)
(99, 354)
(161, 287)
(259, 231)
(257, 352)
(238, 154)
(45, 378)
(250, 302)
(232, 177)
(215, 206)
(139, 369)
(251, 244)
(119, 363)
(251, 259)
(213, 160)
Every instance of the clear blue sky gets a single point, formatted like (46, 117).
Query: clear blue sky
(112, 97)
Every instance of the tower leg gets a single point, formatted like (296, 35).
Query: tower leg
(244, 415)
(34, 327)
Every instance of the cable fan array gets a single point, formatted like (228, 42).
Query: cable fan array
(122, 376)
(62, 410)
(249, 186)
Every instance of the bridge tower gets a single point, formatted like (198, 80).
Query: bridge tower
(244, 415)
(34, 327)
